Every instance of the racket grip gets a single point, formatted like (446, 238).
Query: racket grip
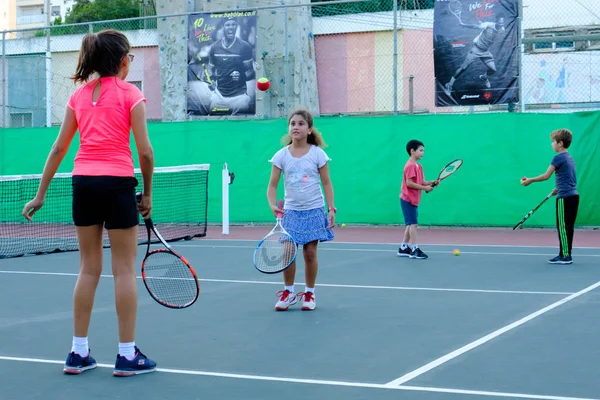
(280, 206)
(148, 222)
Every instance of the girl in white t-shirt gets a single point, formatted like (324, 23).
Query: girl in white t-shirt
(304, 164)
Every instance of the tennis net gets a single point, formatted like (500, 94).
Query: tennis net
(179, 210)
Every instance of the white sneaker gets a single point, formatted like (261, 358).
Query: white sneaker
(308, 301)
(286, 299)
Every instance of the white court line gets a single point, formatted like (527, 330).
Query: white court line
(364, 385)
(436, 363)
(386, 250)
(429, 289)
(424, 244)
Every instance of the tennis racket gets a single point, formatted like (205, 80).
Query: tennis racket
(455, 8)
(448, 170)
(277, 250)
(530, 213)
(167, 275)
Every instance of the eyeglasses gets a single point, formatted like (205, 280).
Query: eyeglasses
(130, 55)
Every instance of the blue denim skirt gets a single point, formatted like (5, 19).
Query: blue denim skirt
(306, 226)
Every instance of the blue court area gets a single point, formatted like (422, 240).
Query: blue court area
(493, 322)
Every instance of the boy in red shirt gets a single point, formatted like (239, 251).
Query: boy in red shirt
(412, 185)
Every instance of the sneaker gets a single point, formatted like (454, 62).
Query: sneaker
(448, 89)
(286, 299)
(485, 80)
(417, 253)
(561, 260)
(76, 364)
(139, 365)
(308, 301)
(404, 252)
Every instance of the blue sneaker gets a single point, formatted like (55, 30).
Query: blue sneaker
(76, 364)
(139, 365)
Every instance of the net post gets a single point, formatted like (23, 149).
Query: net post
(225, 199)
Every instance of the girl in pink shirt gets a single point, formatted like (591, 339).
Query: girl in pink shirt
(104, 110)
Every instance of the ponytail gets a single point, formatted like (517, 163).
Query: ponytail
(101, 53)
(87, 54)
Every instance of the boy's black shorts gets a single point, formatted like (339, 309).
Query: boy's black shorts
(105, 200)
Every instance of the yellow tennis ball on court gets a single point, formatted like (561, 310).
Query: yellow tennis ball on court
(456, 252)
(343, 225)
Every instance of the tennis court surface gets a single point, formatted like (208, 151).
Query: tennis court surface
(496, 321)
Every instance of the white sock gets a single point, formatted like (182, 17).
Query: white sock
(310, 290)
(414, 247)
(80, 346)
(403, 245)
(127, 350)
(290, 288)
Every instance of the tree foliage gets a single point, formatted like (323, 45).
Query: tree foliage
(102, 10)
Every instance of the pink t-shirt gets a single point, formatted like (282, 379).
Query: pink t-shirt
(412, 171)
(104, 127)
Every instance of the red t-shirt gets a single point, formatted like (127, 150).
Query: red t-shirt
(104, 127)
(412, 171)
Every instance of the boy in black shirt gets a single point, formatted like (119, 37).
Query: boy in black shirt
(567, 201)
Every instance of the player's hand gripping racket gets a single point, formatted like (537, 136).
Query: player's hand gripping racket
(530, 213)
(448, 170)
(276, 251)
(168, 276)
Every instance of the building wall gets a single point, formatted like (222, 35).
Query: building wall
(354, 72)
(8, 16)
(27, 89)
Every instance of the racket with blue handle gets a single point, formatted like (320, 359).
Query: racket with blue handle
(277, 250)
(167, 275)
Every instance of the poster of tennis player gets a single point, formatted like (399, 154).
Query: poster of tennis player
(221, 60)
(475, 52)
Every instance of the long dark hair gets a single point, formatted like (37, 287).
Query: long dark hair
(101, 52)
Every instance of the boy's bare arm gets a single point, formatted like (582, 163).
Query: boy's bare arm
(413, 185)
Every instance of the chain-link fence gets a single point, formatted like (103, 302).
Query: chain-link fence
(340, 57)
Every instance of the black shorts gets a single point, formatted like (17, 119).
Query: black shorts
(105, 200)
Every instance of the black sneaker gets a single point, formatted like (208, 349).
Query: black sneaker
(417, 253)
(404, 252)
(561, 260)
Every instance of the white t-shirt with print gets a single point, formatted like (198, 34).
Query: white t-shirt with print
(301, 177)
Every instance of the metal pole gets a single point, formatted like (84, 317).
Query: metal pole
(4, 84)
(411, 102)
(48, 69)
(48, 81)
(4, 103)
(395, 57)
(521, 48)
(287, 66)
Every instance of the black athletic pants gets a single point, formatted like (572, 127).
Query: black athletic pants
(566, 214)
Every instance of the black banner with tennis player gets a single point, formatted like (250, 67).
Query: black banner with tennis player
(475, 52)
(221, 60)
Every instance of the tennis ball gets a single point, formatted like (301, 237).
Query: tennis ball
(263, 84)
(343, 225)
(456, 252)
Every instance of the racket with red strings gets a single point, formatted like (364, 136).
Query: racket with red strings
(168, 276)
